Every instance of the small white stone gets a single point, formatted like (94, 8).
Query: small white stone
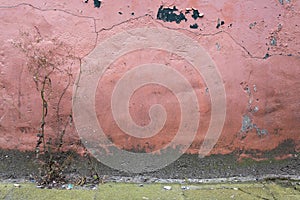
(185, 187)
(167, 187)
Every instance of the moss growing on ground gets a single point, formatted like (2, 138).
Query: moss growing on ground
(253, 190)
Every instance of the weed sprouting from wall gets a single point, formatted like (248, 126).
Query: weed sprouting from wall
(47, 59)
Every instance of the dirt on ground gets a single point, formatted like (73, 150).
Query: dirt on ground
(24, 165)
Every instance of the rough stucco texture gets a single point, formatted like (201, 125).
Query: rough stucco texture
(254, 44)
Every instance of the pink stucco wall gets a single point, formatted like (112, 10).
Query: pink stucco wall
(256, 52)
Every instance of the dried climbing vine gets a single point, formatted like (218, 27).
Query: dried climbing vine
(47, 58)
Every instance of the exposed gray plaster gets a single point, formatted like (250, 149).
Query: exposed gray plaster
(247, 122)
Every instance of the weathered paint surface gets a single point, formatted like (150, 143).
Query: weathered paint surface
(254, 44)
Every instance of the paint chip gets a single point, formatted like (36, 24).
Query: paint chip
(196, 14)
(246, 124)
(273, 41)
(266, 56)
(97, 3)
(169, 15)
(219, 23)
(194, 26)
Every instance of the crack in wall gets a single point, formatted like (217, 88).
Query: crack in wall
(20, 91)
(123, 22)
(48, 9)
(60, 10)
(76, 82)
(136, 18)
(156, 20)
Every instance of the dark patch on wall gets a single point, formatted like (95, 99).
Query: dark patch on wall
(194, 26)
(172, 14)
(97, 3)
(196, 14)
(273, 41)
(248, 125)
(287, 146)
(266, 56)
(220, 23)
(169, 15)
(252, 25)
(282, 2)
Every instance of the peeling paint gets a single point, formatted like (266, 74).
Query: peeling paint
(207, 90)
(254, 88)
(212, 39)
(248, 90)
(273, 41)
(220, 23)
(255, 109)
(267, 56)
(97, 3)
(261, 131)
(282, 2)
(252, 25)
(196, 14)
(218, 46)
(279, 27)
(194, 26)
(246, 124)
(169, 15)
